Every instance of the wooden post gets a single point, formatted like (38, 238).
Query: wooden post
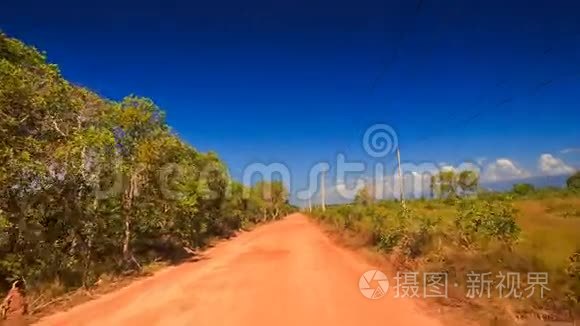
(323, 191)
(402, 198)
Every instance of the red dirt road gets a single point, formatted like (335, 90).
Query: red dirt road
(284, 273)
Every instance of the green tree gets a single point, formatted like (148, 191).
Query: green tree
(90, 186)
(468, 182)
(364, 196)
(449, 184)
(140, 123)
(444, 184)
(478, 221)
(523, 189)
(573, 182)
(271, 198)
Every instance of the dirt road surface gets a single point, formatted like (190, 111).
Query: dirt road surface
(284, 273)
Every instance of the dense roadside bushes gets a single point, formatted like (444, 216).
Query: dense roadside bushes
(463, 236)
(90, 186)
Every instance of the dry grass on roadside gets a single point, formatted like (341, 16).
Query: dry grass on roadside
(549, 236)
(54, 298)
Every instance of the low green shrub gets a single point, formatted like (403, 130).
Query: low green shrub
(480, 221)
(463, 236)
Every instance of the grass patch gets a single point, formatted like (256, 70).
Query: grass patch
(497, 234)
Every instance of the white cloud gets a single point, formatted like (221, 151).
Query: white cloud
(340, 186)
(550, 165)
(481, 160)
(356, 187)
(570, 150)
(348, 191)
(503, 169)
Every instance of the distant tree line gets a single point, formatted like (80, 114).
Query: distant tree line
(451, 184)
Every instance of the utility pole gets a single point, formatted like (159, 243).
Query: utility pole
(323, 191)
(309, 201)
(401, 178)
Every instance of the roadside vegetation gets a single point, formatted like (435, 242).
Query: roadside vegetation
(91, 187)
(465, 230)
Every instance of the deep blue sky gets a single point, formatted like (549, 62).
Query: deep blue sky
(299, 81)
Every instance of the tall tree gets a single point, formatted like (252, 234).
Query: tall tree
(139, 123)
(573, 181)
(468, 182)
(364, 196)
